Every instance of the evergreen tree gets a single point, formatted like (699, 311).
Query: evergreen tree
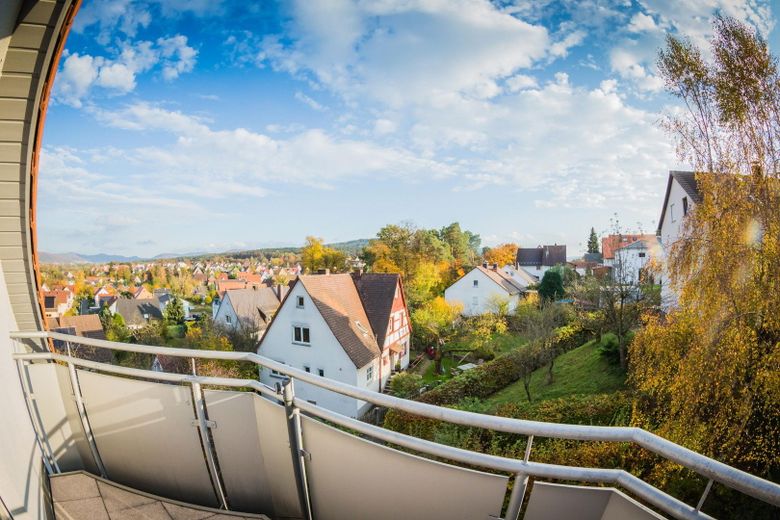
(593, 242)
(551, 287)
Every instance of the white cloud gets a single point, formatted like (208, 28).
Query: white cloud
(641, 22)
(306, 100)
(118, 75)
(561, 48)
(221, 162)
(384, 127)
(177, 56)
(408, 52)
(521, 82)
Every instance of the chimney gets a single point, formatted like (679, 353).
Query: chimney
(495, 267)
(279, 291)
(485, 264)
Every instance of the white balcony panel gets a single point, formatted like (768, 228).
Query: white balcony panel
(146, 436)
(350, 477)
(555, 501)
(54, 404)
(254, 453)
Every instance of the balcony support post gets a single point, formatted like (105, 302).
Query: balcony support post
(74, 384)
(208, 448)
(294, 432)
(37, 424)
(704, 495)
(519, 487)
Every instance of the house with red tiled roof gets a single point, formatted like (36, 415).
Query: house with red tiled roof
(56, 302)
(341, 327)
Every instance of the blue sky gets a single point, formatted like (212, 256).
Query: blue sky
(197, 125)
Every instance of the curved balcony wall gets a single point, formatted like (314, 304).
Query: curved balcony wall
(31, 35)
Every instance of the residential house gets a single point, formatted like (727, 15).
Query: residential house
(138, 313)
(682, 196)
(56, 302)
(85, 326)
(332, 325)
(630, 263)
(538, 260)
(384, 300)
(611, 243)
(142, 293)
(479, 290)
(102, 293)
(250, 308)
(584, 266)
(165, 297)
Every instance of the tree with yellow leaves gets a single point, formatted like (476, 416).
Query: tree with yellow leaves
(504, 254)
(708, 376)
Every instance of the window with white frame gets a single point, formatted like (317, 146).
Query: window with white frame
(370, 373)
(299, 302)
(275, 373)
(301, 335)
(475, 283)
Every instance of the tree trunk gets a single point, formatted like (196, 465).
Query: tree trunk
(550, 370)
(622, 352)
(527, 386)
(437, 355)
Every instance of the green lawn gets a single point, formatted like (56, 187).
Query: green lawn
(582, 371)
(501, 344)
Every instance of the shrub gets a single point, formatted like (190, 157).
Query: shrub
(480, 382)
(406, 385)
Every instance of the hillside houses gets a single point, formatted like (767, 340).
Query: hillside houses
(351, 328)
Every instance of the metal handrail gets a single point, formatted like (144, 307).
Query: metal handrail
(731, 477)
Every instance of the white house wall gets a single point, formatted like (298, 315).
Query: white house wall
(476, 300)
(671, 228)
(325, 353)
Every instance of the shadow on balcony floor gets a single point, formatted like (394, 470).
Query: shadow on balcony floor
(79, 495)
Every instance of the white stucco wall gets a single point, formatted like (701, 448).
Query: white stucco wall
(671, 228)
(20, 460)
(324, 353)
(475, 300)
(224, 312)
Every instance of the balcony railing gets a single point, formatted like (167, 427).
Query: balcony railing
(112, 423)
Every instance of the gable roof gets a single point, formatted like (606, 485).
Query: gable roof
(255, 305)
(611, 243)
(542, 255)
(687, 180)
(506, 282)
(133, 310)
(377, 292)
(337, 299)
(86, 325)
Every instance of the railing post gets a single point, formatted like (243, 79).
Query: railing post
(704, 495)
(296, 446)
(205, 439)
(82, 411)
(37, 424)
(519, 487)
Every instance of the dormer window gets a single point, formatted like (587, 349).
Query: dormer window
(361, 328)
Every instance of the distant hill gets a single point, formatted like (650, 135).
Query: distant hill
(351, 247)
(77, 258)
